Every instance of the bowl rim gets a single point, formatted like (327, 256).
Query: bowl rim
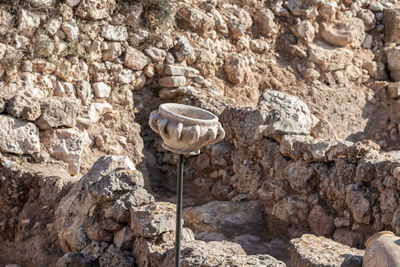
(165, 109)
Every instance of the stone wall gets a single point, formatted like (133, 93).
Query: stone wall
(307, 182)
(290, 80)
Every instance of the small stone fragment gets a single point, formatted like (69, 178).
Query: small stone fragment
(94, 250)
(114, 257)
(73, 259)
(124, 238)
(394, 90)
(264, 19)
(194, 19)
(42, 3)
(71, 29)
(155, 53)
(115, 33)
(134, 59)
(181, 71)
(101, 90)
(235, 69)
(28, 21)
(172, 81)
(95, 9)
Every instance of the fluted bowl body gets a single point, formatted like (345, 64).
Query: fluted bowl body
(185, 129)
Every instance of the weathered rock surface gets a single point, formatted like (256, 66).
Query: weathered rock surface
(239, 22)
(328, 57)
(101, 90)
(115, 33)
(94, 250)
(153, 219)
(17, 136)
(394, 90)
(225, 216)
(114, 257)
(65, 145)
(102, 183)
(393, 58)
(287, 114)
(391, 23)
(235, 69)
(309, 250)
(264, 19)
(181, 71)
(194, 19)
(198, 253)
(28, 21)
(323, 130)
(135, 60)
(95, 9)
(173, 81)
(58, 112)
(24, 107)
(73, 259)
(350, 32)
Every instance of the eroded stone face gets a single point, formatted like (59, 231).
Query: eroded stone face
(18, 136)
(310, 250)
(154, 219)
(197, 252)
(72, 215)
(195, 19)
(24, 107)
(135, 60)
(65, 145)
(350, 32)
(58, 112)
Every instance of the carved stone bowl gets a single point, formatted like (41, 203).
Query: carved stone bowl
(185, 129)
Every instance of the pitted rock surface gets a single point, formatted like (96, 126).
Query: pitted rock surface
(313, 251)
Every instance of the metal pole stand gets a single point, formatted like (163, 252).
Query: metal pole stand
(179, 211)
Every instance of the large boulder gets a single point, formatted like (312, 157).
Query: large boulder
(287, 114)
(18, 137)
(313, 251)
(200, 253)
(110, 184)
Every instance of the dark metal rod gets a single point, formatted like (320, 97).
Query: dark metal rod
(179, 192)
